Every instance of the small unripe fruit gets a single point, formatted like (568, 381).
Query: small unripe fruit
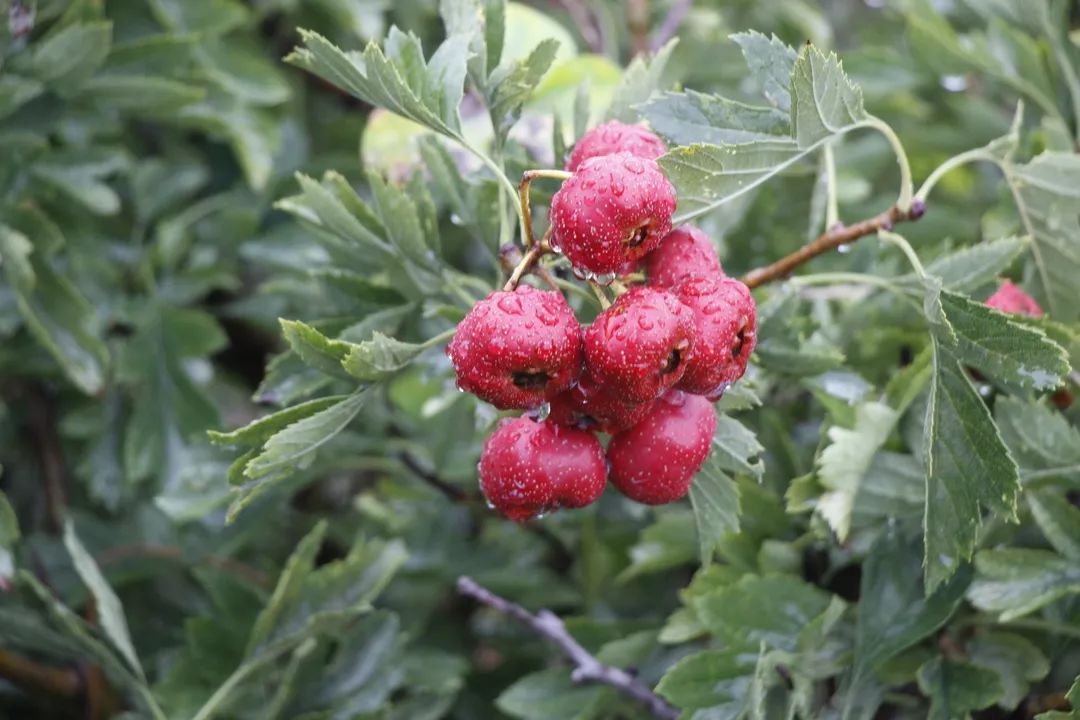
(638, 346)
(684, 252)
(655, 461)
(1009, 298)
(517, 349)
(528, 468)
(614, 209)
(725, 322)
(613, 137)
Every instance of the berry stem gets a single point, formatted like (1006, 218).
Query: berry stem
(605, 303)
(523, 198)
(831, 239)
(587, 669)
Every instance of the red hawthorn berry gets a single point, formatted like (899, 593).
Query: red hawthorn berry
(614, 209)
(613, 137)
(528, 468)
(1009, 298)
(592, 405)
(725, 321)
(685, 251)
(638, 346)
(517, 349)
(655, 461)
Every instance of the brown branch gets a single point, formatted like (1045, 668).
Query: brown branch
(55, 681)
(831, 239)
(587, 669)
(46, 442)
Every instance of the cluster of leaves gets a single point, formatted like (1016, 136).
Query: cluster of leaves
(889, 517)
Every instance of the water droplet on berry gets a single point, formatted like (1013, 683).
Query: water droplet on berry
(634, 165)
(582, 274)
(510, 304)
(542, 412)
(617, 188)
(645, 322)
(604, 279)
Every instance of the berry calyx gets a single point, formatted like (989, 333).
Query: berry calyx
(517, 349)
(639, 345)
(725, 322)
(613, 137)
(685, 251)
(1009, 298)
(591, 405)
(655, 461)
(528, 468)
(614, 209)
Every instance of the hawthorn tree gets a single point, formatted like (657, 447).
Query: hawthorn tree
(239, 479)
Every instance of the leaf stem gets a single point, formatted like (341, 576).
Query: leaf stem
(439, 339)
(527, 237)
(951, 164)
(526, 264)
(506, 190)
(832, 207)
(903, 202)
(902, 243)
(241, 674)
(587, 668)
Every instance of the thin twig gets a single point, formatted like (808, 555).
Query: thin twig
(637, 18)
(587, 669)
(670, 26)
(831, 239)
(55, 681)
(451, 492)
(42, 425)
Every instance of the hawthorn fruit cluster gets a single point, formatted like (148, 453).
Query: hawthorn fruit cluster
(645, 372)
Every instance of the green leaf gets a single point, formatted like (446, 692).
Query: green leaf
(967, 467)
(641, 79)
(204, 17)
(399, 215)
(380, 357)
(80, 176)
(957, 688)
(843, 463)
(1016, 581)
(1017, 661)
(825, 104)
(735, 448)
(69, 57)
(714, 679)
(893, 613)
(241, 70)
(259, 431)
(314, 348)
(972, 267)
(693, 117)
(1044, 444)
(396, 79)
(1073, 696)
(252, 132)
(549, 694)
(771, 62)
(510, 86)
(55, 312)
(109, 609)
(770, 609)
(1059, 520)
(824, 101)
(1018, 355)
(147, 95)
(294, 444)
(715, 500)
(667, 543)
(333, 206)
(16, 91)
(1047, 191)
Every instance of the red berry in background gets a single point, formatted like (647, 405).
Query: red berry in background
(613, 137)
(725, 321)
(517, 349)
(685, 251)
(638, 346)
(594, 406)
(1009, 298)
(529, 467)
(655, 461)
(614, 209)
